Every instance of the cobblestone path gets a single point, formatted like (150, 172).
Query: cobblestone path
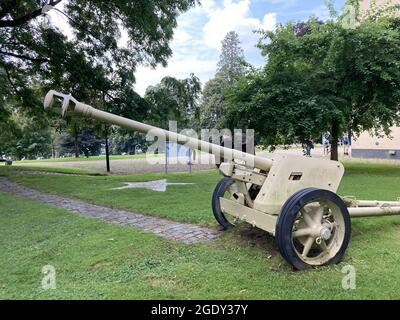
(187, 233)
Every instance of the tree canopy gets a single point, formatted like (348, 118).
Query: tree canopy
(328, 78)
(33, 49)
(231, 61)
(231, 67)
(95, 56)
(174, 99)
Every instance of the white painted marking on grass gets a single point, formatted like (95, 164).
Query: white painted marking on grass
(157, 185)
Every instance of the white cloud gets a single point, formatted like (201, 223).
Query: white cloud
(284, 3)
(234, 16)
(178, 68)
(269, 21)
(197, 40)
(207, 5)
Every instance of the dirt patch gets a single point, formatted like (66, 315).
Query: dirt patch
(257, 238)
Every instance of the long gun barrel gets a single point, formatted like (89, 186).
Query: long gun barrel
(90, 112)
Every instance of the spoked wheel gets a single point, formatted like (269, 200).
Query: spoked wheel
(313, 229)
(226, 188)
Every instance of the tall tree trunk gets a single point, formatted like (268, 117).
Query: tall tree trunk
(334, 140)
(53, 150)
(107, 150)
(76, 142)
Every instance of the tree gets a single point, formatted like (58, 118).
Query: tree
(34, 141)
(231, 61)
(174, 99)
(231, 67)
(127, 104)
(22, 137)
(212, 105)
(35, 55)
(330, 78)
(9, 135)
(86, 141)
(34, 52)
(33, 47)
(125, 141)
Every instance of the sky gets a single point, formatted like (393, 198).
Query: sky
(197, 41)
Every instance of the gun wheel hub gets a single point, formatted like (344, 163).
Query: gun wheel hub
(318, 235)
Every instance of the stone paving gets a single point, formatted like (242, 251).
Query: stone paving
(187, 233)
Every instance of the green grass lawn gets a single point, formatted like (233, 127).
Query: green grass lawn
(98, 260)
(92, 158)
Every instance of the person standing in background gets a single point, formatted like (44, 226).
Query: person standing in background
(346, 144)
(309, 145)
(326, 143)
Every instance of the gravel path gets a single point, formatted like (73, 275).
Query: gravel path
(134, 165)
(187, 233)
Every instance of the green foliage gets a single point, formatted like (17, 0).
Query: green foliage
(89, 59)
(95, 25)
(231, 67)
(86, 141)
(231, 61)
(24, 137)
(34, 141)
(174, 99)
(9, 133)
(124, 141)
(212, 105)
(328, 78)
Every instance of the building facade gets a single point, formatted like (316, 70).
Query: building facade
(366, 4)
(366, 145)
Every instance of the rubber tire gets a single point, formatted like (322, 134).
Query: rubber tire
(219, 192)
(297, 195)
(290, 209)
